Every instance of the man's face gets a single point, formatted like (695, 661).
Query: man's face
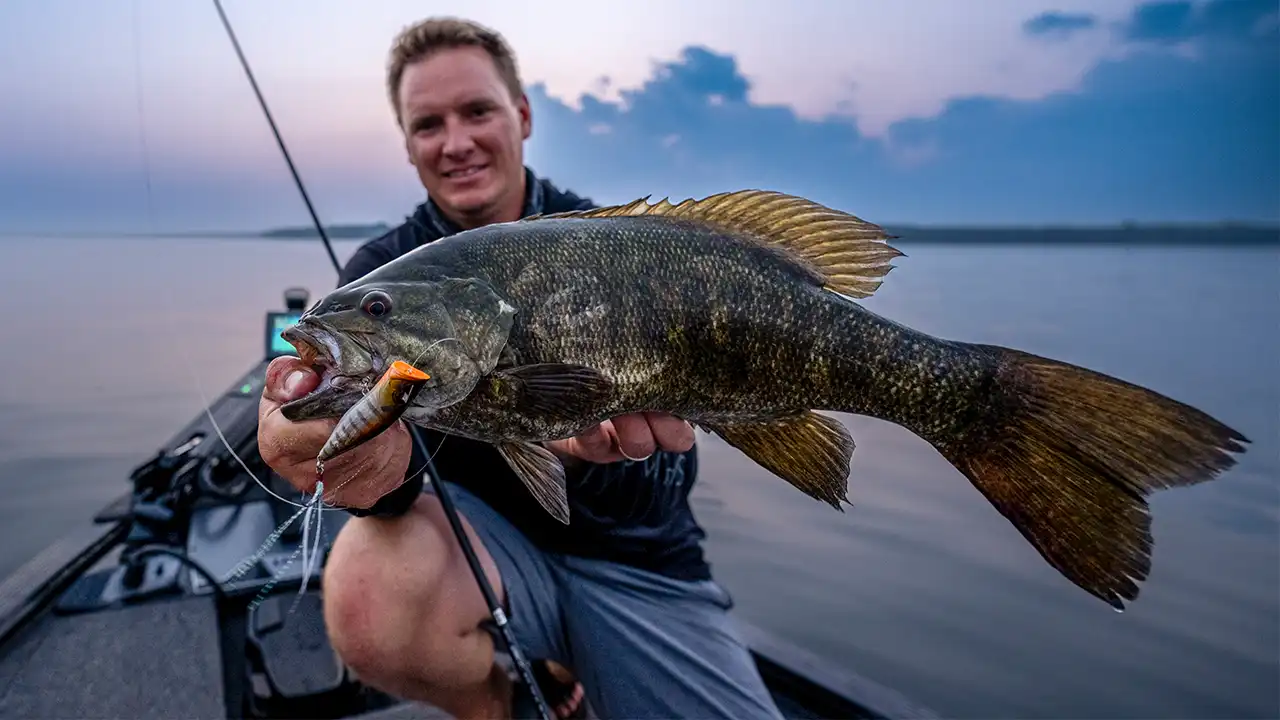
(464, 133)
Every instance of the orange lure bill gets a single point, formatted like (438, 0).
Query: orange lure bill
(376, 411)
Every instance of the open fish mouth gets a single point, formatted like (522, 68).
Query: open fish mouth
(336, 391)
(320, 354)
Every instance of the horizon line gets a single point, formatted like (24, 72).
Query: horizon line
(361, 232)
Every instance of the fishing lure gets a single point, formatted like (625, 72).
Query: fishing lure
(375, 412)
(372, 414)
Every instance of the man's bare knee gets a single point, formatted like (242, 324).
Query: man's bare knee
(401, 605)
(371, 584)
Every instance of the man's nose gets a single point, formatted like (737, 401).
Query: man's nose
(457, 140)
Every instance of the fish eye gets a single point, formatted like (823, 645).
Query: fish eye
(376, 304)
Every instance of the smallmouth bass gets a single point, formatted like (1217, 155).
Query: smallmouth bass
(737, 313)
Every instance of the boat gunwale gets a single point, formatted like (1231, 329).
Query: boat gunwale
(28, 591)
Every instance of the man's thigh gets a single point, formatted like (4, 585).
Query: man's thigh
(644, 645)
(531, 597)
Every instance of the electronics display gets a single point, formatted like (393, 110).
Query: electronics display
(277, 322)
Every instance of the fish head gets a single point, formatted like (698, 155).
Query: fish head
(452, 329)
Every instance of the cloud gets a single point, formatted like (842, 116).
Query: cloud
(1172, 22)
(1151, 134)
(1176, 121)
(1059, 24)
(1161, 21)
(872, 64)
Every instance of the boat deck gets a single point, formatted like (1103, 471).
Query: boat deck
(84, 635)
(193, 655)
(153, 660)
(170, 656)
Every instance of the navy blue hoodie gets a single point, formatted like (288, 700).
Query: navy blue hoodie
(635, 513)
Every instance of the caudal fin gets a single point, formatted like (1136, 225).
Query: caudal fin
(1074, 456)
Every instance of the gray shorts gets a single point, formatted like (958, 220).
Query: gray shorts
(642, 645)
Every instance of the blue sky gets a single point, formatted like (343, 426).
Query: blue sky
(928, 112)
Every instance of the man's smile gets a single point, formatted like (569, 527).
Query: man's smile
(465, 172)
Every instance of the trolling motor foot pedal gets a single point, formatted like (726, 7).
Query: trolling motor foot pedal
(294, 671)
(142, 579)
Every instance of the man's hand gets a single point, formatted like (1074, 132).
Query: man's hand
(631, 437)
(378, 466)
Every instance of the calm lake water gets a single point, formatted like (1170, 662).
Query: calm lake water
(108, 345)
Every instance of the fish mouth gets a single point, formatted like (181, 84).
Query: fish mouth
(312, 351)
(337, 390)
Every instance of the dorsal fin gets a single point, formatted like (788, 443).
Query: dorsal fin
(851, 255)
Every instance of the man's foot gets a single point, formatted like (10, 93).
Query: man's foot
(561, 689)
(563, 693)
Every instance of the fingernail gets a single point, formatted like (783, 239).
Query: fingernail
(292, 382)
(618, 446)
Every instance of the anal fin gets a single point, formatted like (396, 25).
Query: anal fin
(540, 471)
(809, 450)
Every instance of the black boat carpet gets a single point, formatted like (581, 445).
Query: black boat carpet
(157, 660)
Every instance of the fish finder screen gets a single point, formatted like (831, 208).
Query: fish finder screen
(276, 323)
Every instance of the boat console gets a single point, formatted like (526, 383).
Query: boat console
(197, 519)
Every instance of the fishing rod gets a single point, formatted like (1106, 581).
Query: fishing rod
(279, 140)
(442, 492)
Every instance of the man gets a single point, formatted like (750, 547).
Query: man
(622, 595)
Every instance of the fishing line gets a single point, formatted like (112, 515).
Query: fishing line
(304, 509)
(139, 93)
(442, 492)
(317, 500)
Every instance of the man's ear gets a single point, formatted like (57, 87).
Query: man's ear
(526, 116)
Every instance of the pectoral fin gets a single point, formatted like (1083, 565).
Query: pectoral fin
(540, 471)
(810, 451)
(553, 390)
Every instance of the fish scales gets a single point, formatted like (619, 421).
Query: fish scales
(738, 312)
(712, 331)
(703, 320)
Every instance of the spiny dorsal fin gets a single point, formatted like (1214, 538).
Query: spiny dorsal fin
(850, 254)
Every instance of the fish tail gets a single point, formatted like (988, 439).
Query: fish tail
(1069, 455)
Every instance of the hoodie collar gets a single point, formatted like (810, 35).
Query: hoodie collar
(431, 216)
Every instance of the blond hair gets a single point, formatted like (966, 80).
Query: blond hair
(418, 41)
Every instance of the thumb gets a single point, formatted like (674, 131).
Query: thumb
(288, 379)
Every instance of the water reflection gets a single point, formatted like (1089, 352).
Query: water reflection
(921, 585)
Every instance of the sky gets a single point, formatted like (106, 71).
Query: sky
(136, 116)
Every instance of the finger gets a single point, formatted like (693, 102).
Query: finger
(670, 432)
(596, 444)
(289, 448)
(281, 442)
(356, 478)
(635, 439)
(364, 474)
(370, 471)
(288, 378)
